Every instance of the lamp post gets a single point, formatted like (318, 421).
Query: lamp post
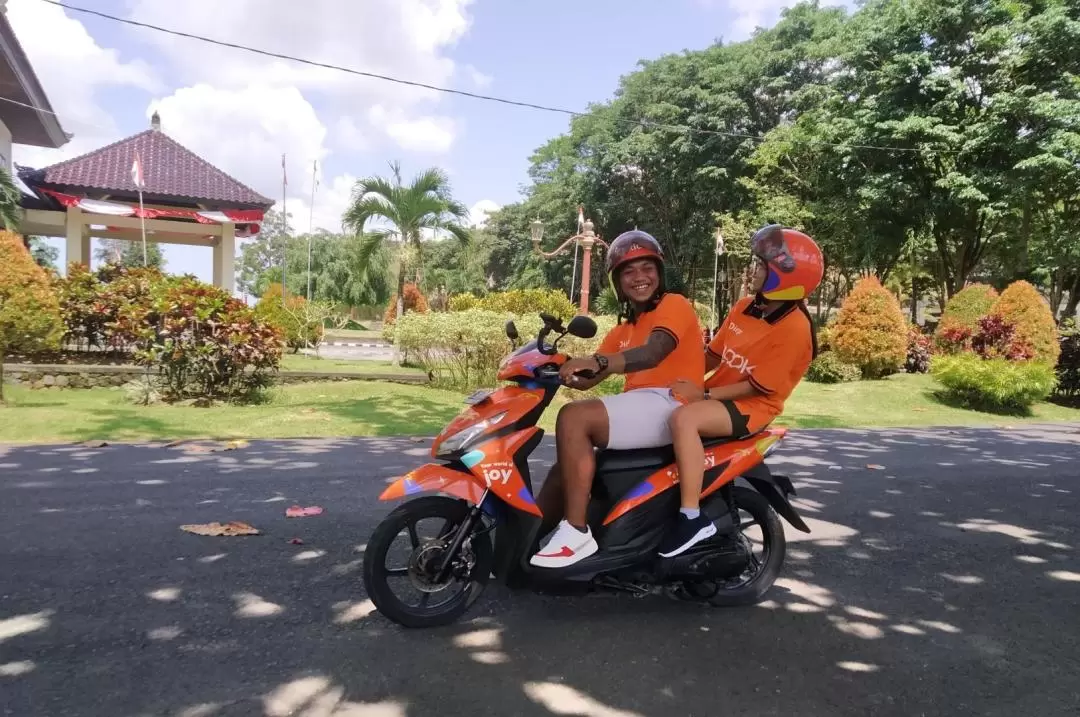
(585, 239)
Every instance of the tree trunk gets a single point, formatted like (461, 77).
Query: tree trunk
(1, 376)
(1074, 298)
(400, 307)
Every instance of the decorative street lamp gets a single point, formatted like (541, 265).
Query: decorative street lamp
(585, 239)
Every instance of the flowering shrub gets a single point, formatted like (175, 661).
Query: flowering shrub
(29, 311)
(997, 338)
(204, 342)
(1022, 306)
(918, 351)
(870, 331)
(961, 315)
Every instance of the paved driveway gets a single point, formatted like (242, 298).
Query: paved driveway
(947, 583)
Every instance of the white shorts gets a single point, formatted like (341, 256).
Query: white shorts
(639, 418)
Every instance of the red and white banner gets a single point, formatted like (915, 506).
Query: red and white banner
(246, 219)
(136, 172)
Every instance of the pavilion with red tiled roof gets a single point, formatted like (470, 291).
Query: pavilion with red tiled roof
(185, 200)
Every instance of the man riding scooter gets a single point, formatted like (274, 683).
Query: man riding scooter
(656, 342)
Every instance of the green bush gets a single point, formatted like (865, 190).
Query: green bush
(29, 310)
(829, 368)
(292, 317)
(997, 385)
(462, 350)
(520, 302)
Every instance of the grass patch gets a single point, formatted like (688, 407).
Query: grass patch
(303, 362)
(354, 335)
(368, 408)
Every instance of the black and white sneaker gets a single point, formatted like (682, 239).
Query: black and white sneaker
(686, 533)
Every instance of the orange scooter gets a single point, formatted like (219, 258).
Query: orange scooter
(480, 494)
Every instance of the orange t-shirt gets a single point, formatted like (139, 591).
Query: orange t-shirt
(772, 354)
(674, 315)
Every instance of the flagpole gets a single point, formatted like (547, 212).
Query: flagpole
(285, 238)
(311, 220)
(142, 223)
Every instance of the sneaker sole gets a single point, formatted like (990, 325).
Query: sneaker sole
(706, 532)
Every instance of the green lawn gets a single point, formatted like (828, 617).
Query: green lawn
(354, 334)
(371, 408)
(303, 362)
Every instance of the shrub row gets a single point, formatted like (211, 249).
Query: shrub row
(463, 349)
(202, 342)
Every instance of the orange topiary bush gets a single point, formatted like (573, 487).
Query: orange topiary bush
(960, 319)
(414, 301)
(870, 331)
(1023, 306)
(29, 310)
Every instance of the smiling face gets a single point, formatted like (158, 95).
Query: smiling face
(639, 280)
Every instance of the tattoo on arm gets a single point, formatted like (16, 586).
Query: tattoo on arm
(659, 345)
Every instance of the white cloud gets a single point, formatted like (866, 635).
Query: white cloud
(331, 200)
(478, 213)
(417, 134)
(406, 39)
(478, 78)
(245, 131)
(72, 67)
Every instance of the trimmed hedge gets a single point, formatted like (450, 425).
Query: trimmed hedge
(997, 385)
(463, 349)
(961, 316)
(1023, 306)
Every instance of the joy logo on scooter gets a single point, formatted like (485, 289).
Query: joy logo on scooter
(499, 472)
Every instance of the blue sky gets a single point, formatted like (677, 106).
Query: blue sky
(242, 111)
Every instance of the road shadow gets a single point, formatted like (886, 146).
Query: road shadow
(941, 578)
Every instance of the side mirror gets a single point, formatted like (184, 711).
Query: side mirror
(582, 326)
(511, 331)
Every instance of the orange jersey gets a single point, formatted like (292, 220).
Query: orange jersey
(772, 354)
(673, 315)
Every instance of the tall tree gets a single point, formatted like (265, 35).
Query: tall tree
(129, 253)
(407, 212)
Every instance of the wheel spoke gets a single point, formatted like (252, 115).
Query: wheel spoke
(413, 536)
(397, 572)
(424, 599)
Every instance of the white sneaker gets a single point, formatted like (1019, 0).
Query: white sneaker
(566, 546)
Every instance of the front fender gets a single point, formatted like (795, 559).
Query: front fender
(439, 478)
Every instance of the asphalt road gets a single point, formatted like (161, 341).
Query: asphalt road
(947, 583)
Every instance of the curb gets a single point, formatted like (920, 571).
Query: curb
(357, 344)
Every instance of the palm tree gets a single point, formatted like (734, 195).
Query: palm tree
(425, 204)
(9, 201)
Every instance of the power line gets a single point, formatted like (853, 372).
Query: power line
(448, 90)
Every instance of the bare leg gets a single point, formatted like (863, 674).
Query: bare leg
(550, 499)
(579, 429)
(688, 424)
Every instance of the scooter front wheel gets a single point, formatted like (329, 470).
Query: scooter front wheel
(440, 602)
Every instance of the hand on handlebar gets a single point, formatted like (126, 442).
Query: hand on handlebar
(578, 368)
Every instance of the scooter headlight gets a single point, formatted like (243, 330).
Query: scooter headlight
(458, 441)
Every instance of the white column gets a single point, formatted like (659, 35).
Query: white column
(225, 258)
(78, 238)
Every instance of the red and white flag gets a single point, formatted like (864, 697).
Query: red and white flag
(137, 172)
(580, 218)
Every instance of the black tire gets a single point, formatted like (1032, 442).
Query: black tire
(375, 574)
(772, 530)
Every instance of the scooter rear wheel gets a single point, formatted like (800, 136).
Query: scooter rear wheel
(471, 572)
(753, 590)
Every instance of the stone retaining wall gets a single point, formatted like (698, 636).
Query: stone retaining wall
(90, 376)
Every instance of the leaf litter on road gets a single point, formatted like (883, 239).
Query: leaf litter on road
(232, 528)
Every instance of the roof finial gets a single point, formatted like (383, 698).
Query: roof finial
(155, 121)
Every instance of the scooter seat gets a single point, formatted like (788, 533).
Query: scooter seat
(642, 458)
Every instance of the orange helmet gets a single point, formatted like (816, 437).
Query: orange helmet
(794, 261)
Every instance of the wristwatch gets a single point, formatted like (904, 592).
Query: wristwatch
(601, 362)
